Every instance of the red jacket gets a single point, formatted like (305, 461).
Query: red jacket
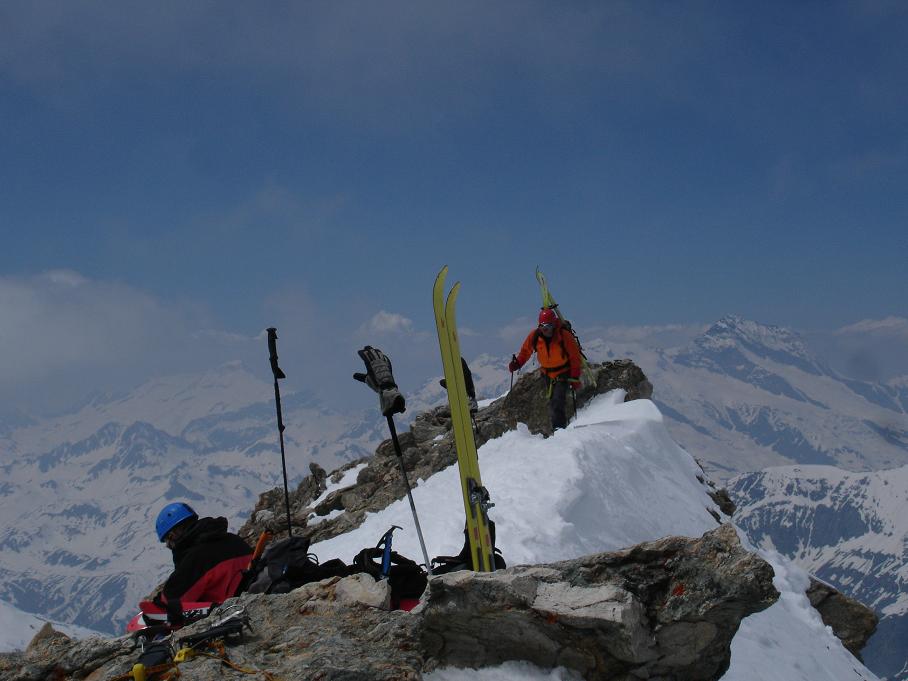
(208, 566)
(557, 355)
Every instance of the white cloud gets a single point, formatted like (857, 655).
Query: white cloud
(890, 326)
(64, 278)
(517, 330)
(385, 323)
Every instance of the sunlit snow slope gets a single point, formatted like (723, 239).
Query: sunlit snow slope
(613, 478)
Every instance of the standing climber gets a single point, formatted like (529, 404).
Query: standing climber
(559, 361)
(208, 561)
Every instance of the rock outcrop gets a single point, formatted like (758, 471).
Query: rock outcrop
(850, 620)
(663, 609)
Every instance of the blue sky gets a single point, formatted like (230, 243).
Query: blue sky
(226, 166)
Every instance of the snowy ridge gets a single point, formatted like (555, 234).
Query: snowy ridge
(613, 478)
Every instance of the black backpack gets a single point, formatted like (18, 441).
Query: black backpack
(463, 561)
(288, 564)
(405, 576)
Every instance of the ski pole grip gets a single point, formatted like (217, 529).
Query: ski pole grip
(272, 353)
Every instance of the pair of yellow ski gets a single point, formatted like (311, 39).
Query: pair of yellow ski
(475, 497)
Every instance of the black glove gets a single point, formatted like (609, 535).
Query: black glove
(379, 377)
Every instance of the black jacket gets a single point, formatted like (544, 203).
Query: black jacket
(208, 564)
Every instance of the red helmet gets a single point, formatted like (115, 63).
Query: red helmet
(548, 316)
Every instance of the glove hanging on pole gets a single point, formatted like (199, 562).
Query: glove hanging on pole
(380, 378)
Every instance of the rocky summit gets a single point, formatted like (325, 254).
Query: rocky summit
(427, 447)
(659, 610)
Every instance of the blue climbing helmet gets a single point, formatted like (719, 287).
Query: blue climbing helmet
(171, 516)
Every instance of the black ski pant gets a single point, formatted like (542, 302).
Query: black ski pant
(558, 402)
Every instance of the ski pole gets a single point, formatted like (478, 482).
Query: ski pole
(380, 378)
(507, 398)
(276, 370)
(403, 472)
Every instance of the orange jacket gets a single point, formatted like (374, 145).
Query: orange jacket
(557, 355)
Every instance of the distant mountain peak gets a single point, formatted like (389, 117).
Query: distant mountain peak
(732, 329)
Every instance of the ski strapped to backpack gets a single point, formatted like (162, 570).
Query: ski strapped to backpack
(476, 499)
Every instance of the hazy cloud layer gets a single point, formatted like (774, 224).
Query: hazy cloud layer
(65, 336)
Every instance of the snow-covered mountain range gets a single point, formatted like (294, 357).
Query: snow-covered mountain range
(79, 491)
(848, 529)
(17, 628)
(745, 396)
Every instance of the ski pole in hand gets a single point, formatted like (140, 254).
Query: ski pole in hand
(278, 374)
(380, 378)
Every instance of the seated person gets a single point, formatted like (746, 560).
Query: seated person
(208, 560)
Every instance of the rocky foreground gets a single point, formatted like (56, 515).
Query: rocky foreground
(664, 609)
